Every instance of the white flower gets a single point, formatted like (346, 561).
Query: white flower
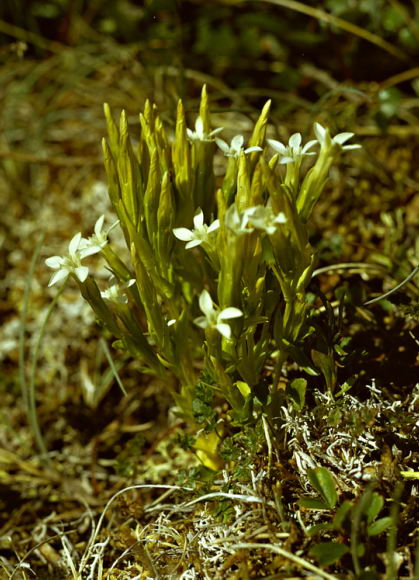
(263, 218)
(200, 232)
(97, 241)
(237, 222)
(293, 152)
(258, 217)
(214, 318)
(339, 139)
(70, 264)
(236, 147)
(115, 292)
(199, 135)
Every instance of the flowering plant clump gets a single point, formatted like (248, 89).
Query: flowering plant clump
(229, 305)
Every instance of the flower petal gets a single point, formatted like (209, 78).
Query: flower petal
(320, 132)
(82, 272)
(201, 321)
(99, 225)
(222, 145)
(287, 160)
(237, 142)
(216, 131)
(224, 329)
(295, 140)
(57, 276)
(205, 303)
(73, 246)
(278, 146)
(214, 226)
(254, 148)
(89, 251)
(198, 220)
(193, 243)
(54, 262)
(280, 218)
(183, 234)
(230, 312)
(199, 127)
(309, 145)
(341, 138)
(349, 147)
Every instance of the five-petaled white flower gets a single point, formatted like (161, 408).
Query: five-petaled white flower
(338, 139)
(264, 218)
(70, 264)
(199, 234)
(293, 152)
(115, 292)
(97, 241)
(237, 222)
(215, 318)
(199, 134)
(257, 217)
(236, 147)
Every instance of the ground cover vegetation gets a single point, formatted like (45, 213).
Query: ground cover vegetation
(209, 318)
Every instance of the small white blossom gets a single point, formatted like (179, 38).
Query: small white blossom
(70, 264)
(263, 218)
(293, 152)
(237, 222)
(199, 234)
(213, 317)
(115, 292)
(97, 241)
(338, 139)
(236, 147)
(258, 217)
(199, 134)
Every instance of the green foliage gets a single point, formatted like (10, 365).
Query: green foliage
(296, 393)
(358, 521)
(322, 481)
(247, 272)
(202, 404)
(327, 553)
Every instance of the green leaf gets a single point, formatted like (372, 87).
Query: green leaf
(341, 513)
(325, 362)
(244, 388)
(313, 504)
(374, 507)
(322, 481)
(328, 553)
(319, 528)
(296, 392)
(379, 526)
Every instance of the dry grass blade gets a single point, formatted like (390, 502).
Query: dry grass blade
(281, 552)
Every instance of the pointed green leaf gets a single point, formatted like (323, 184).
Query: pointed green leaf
(112, 130)
(328, 553)
(296, 391)
(152, 198)
(322, 481)
(341, 513)
(374, 506)
(312, 503)
(379, 526)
